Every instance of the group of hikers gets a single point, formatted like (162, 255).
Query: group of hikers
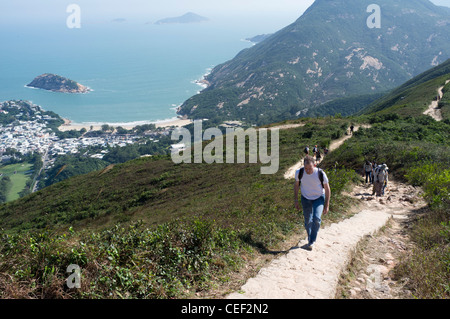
(377, 175)
(316, 192)
(316, 153)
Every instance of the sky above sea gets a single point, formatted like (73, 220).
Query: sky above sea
(138, 71)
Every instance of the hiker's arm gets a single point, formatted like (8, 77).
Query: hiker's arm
(327, 198)
(296, 189)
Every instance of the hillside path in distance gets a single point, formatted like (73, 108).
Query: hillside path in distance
(290, 173)
(433, 109)
(302, 274)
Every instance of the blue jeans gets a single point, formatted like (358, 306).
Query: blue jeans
(312, 211)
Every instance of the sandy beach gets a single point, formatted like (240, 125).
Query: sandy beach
(68, 125)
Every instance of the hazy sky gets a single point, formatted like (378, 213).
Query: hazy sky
(21, 11)
(150, 8)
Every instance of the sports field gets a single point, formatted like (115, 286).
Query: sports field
(19, 175)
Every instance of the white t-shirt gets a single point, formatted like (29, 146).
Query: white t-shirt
(310, 185)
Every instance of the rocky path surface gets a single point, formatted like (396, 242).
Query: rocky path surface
(433, 109)
(302, 274)
(372, 266)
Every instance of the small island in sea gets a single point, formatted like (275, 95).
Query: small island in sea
(56, 83)
(186, 18)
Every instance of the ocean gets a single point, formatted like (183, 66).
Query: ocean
(138, 72)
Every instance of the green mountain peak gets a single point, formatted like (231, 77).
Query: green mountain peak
(330, 52)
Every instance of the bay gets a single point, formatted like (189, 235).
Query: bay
(138, 72)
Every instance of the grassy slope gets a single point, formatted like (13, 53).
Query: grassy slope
(413, 97)
(157, 190)
(445, 102)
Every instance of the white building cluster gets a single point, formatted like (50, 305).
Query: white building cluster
(74, 145)
(27, 137)
(33, 136)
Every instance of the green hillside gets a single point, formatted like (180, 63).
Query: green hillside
(157, 190)
(413, 97)
(196, 221)
(444, 104)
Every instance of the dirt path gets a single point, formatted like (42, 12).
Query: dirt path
(302, 274)
(433, 109)
(287, 126)
(370, 275)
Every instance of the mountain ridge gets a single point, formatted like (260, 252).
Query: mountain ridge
(327, 53)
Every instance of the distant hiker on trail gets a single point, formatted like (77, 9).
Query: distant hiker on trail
(318, 156)
(351, 129)
(315, 150)
(315, 197)
(306, 150)
(314, 154)
(325, 151)
(381, 177)
(368, 171)
(386, 180)
(374, 166)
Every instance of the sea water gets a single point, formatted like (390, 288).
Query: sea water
(138, 72)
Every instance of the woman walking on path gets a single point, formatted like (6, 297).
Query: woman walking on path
(315, 197)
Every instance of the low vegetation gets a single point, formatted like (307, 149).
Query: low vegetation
(150, 228)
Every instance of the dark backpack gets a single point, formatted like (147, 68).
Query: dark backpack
(302, 170)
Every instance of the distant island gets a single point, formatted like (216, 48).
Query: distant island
(56, 83)
(187, 18)
(119, 20)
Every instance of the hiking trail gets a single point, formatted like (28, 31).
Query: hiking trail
(433, 109)
(290, 173)
(302, 274)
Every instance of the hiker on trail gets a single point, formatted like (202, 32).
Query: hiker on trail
(351, 129)
(318, 156)
(306, 150)
(368, 171)
(315, 150)
(325, 151)
(314, 154)
(372, 177)
(380, 179)
(386, 180)
(315, 197)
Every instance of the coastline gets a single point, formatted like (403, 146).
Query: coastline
(177, 122)
(203, 82)
(69, 125)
